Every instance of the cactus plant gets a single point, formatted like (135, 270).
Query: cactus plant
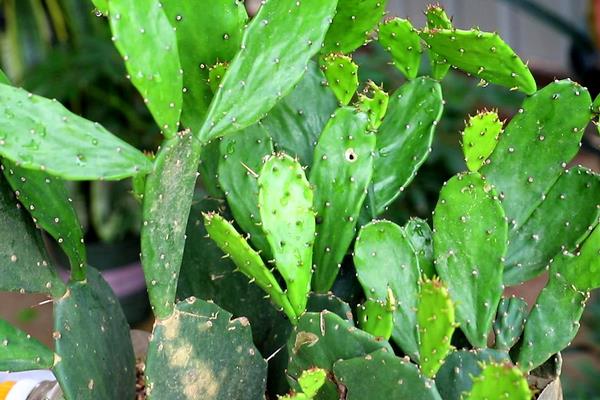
(401, 40)
(342, 76)
(480, 136)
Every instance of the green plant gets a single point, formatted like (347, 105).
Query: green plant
(301, 169)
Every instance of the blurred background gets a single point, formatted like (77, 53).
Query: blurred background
(62, 49)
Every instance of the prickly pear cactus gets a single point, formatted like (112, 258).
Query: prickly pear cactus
(374, 102)
(499, 380)
(583, 269)
(480, 137)
(377, 317)
(199, 351)
(510, 321)
(285, 201)
(21, 352)
(342, 76)
(402, 41)
(437, 19)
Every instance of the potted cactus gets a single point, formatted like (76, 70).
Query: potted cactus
(278, 279)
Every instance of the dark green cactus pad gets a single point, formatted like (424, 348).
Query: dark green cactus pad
(469, 212)
(374, 102)
(437, 19)
(455, 377)
(402, 41)
(216, 74)
(352, 23)
(552, 323)
(340, 174)
(47, 200)
(148, 43)
(499, 381)
(321, 339)
(539, 128)
(209, 168)
(480, 137)
(383, 375)
(342, 76)
(420, 236)
(482, 54)
(94, 355)
(556, 225)
(242, 157)
(296, 122)
(284, 191)
(384, 259)
(41, 134)
(318, 302)
(583, 270)
(21, 352)
(435, 318)
(24, 264)
(200, 352)
(246, 259)
(248, 92)
(510, 321)
(405, 138)
(377, 318)
(203, 39)
(167, 202)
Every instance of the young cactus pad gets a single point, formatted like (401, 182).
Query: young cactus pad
(200, 351)
(340, 174)
(285, 201)
(246, 259)
(377, 317)
(374, 102)
(469, 241)
(480, 137)
(402, 41)
(437, 19)
(510, 321)
(435, 316)
(342, 76)
(21, 352)
(215, 76)
(499, 381)
(482, 54)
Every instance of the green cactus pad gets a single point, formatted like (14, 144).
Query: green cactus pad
(199, 352)
(552, 323)
(383, 375)
(435, 316)
(541, 129)
(556, 225)
(21, 352)
(377, 318)
(24, 264)
(296, 122)
(352, 24)
(318, 302)
(455, 377)
(402, 41)
(499, 381)
(321, 339)
(480, 137)
(342, 76)
(405, 138)
(203, 39)
(469, 241)
(209, 168)
(246, 259)
(148, 44)
(374, 102)
(47, 200)
(482, 54)
(583, 270)
(437, 19)
(242, 155)
(596, 105)
(215, 75)
(91, 333)
(510, 321)
(41, 134)
(420, 237)
(384, 259)
(340, 174)
(312, 380)
(167, 202)
(101, 6)
(249, 92)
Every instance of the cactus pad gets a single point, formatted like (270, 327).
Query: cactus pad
(384, 259)
(377, 318)
(199, 352)
(499, 381)
(583, 270)
(342, 76)
(510, 321)
(437, 19)
(216, 74)
(482, 54)
(21, 352)
(420, 237)
(148, 44)
(285, 202)
(468, 213)
(480, 137)
(435, 316)
(374, 102)
(340, 174)
(402, 41)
